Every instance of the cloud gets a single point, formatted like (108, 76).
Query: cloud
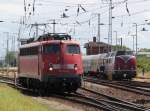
(11, 8)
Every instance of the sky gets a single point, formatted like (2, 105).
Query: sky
(82, 24)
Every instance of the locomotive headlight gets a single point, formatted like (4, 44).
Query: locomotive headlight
(75, 67)
(50, 67)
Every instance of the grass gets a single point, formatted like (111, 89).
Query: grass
(13, 100)
(143, 62)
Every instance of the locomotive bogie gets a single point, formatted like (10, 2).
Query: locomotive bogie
(119, 75)
(62, 83)
(65, 82)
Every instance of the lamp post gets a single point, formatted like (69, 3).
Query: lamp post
(120, 46)
(136, 38)
(7, 48)
(136, 35)
(99, 24)
(99, 30)
(116, 38)
(133, 41)
(121, 43)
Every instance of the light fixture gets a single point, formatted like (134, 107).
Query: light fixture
(143, 29)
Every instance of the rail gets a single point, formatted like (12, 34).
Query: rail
(106, 103)
(126, 87)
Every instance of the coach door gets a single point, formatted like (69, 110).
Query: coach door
(109, 66)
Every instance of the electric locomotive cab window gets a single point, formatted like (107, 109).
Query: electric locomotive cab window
(73, 49)
(51, 49)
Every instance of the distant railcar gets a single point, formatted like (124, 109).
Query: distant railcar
(51, 63)
(114, 65)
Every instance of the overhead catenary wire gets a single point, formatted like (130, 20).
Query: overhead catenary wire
(67, 3)
(89, 11)
(33, 7)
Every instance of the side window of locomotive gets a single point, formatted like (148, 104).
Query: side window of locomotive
(51, 49)
(28, 51)
(73, 49)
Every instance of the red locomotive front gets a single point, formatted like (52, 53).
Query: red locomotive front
(56, 64)
(125, 65)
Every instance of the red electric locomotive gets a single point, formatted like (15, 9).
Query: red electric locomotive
(53, 61)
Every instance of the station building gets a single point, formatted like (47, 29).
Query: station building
(94, 47)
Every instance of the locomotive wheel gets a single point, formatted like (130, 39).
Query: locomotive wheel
(22, 82)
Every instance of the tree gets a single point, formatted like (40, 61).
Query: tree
(11, 58)
(118, 47)
(144, 50)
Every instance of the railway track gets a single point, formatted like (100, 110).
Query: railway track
(12, 82)
(116, 103)
(103, 102)
(7, 80)
(145, 87)
(127, 86)
(100, 101)
(136, 83)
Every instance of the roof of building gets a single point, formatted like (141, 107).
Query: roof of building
(96, 44)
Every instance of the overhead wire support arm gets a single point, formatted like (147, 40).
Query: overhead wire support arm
(54, 24)
(36, 25)
(98, 33)
(136, 44)
(136, 36)
(110, 24)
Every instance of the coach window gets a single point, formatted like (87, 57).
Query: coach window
(104, 61)
(51, 49)
(112, 54)
(107, 61)
(73, 49)
(108, 54)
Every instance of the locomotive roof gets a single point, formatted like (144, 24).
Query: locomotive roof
(38, 43)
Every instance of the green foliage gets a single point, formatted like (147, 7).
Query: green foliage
(118, 47)
(145, 50)
(1, 63)
(11, 58)
(143, 62)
